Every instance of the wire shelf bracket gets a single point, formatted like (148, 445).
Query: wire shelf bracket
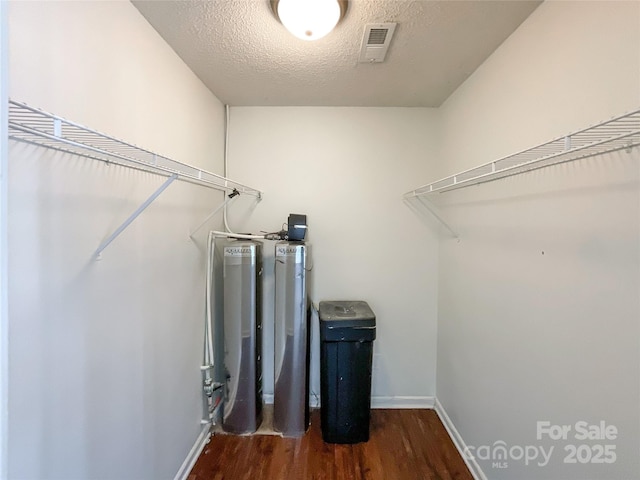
(432, 209)
(37, 127)
(204, 222)
(134, 215)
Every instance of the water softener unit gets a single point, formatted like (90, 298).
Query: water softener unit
(291, 386)
(242, 270)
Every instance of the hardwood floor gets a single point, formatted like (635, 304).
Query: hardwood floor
(403, 445)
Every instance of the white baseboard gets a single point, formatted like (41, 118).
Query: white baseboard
(376, 402)
(402, 402)
(196, 450)
(473, 466)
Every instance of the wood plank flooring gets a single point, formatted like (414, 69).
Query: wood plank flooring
(403, 445)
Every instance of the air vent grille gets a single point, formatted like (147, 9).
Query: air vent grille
(375, 42)
(377, 36)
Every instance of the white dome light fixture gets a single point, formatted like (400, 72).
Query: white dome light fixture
(309, 19)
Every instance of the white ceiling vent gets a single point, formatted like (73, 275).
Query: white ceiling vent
(376, 41)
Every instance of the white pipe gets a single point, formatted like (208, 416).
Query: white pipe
(237, 235)
(225, 218)
(207, 362)
(207, 325)
(209, 356)
(226, 162)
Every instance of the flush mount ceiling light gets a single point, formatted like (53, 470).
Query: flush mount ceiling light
(309, 19)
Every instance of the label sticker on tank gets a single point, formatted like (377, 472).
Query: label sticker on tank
(290, 252)
(238, 252)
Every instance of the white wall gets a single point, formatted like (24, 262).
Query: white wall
(346, 168)
(538, 305)
(4, 313)
(104, 356)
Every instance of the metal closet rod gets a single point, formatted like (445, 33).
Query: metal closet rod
(32, 125)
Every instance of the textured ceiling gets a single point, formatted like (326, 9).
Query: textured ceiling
(246, 57)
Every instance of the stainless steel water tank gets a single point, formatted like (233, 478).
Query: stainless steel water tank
(242, 270)
(291, 388)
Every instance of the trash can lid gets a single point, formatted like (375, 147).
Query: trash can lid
(347, 313)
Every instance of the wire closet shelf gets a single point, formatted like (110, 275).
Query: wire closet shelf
(35, 126)
(619, 133)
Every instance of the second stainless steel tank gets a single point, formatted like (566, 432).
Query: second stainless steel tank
(291, 388)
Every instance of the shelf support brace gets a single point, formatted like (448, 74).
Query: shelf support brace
(220, 207)
(432, 210)
(134, 215)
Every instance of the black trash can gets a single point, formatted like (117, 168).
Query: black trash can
(347, 331)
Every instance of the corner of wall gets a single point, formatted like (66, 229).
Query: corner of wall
(459, 442)
(194, 453)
